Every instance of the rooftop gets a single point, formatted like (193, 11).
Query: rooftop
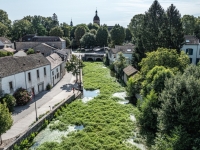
(191, 40)
(130, 70)
(55, 60)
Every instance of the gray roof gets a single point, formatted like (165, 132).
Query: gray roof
(5, 40)
(62, 51)
(20, 53)
(126, 49)
(130, 70)
(12, 65)
(55, 60)
(191, 39)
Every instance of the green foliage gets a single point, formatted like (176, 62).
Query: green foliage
(74, 65)
(3, 30)
(68, 43)
(88, 40)
(118, 34)
(4, 18)
(180, 106)
(9, 100)
(30, 51)
(22, 96)
(5, 53)
(168, 58)
(93, 26)
(48, 88)
(120, 63)
(128, 35)
(66, 30)
(93, 31)
(106, 123)
(155, 79)
(56, 31)
(102, 36)
(5, 119)
(79, 32)
(188, 22)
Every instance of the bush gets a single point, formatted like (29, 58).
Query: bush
(22, 96)
(9, 100)
(48, 87)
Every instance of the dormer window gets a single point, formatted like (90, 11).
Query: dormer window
(128, 50)
(187, 41)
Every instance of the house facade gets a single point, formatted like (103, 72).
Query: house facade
(127, 51)
(57, 68)
(30, 72)
(192, 48)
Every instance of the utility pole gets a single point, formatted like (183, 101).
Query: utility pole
(35, 107)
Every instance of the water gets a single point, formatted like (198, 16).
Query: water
(53, 136)
(89, 95)
(121, 95)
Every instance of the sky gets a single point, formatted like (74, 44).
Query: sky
(111, 12)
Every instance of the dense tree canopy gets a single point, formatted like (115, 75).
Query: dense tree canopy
(4, 18)
(88, 40)
(128, 35)
(79, 32)
(188, 22)
(102, 36)
(56, 31)
(3, 30)
(117, 35)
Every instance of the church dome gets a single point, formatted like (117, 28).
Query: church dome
(96, 17)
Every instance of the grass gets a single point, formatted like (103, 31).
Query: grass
(106, 123)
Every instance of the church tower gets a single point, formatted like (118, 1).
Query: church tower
(96, 19)
(71, 23)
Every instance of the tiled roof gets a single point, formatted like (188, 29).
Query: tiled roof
(126, 49)
(191, 39)
(55, 60)
(12, 65)
(5, 40)
(20, 54)
(129, 70)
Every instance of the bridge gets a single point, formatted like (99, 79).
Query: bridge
(94, 57)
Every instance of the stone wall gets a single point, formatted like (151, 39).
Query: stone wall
(38, 125)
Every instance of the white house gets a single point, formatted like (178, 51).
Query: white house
(127, 51)
(30, 72)
(192, 48)
(57, 68)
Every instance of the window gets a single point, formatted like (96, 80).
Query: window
(38, 75)
(11, 85)
(45, 73)
(189, 51)
(57, 75)
(29, 76)
(57, 69)
(190, 60)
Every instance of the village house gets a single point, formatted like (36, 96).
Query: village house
(57, 68)
(192, 48)
(6, 45)
(30, 72)
(43, 44)
(129, 71)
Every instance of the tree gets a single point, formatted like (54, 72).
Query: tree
(169, 58)
(3, 30)
(66, 29)
(93, 31)
(197, 28)
(4, 19)
(74, 65)
(153, 26)
(188, 22)
(128, 35)
(155, 79)
(180, 108)
(117, 35)
(5, 119)
(120, 63)
(173, 35)
(56, 31)
(9, 100)
(79, 32)
(93, 26)
(102, 36)
(55, 22)
(136, 26)
(20, 28)
(22, 96)
(68, 43)
(30, 51)
(88, 40)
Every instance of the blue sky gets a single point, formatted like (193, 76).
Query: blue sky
(83, 11)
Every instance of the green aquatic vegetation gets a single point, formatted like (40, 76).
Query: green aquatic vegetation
(107, 124)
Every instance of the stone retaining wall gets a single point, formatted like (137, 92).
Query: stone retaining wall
(38, 125)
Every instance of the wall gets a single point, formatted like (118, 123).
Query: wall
(196, 51)
(54, 72)
(45, 50)
(18, 80)
(37, 126)
(36, 81)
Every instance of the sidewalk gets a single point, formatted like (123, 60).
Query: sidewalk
(24, 116)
